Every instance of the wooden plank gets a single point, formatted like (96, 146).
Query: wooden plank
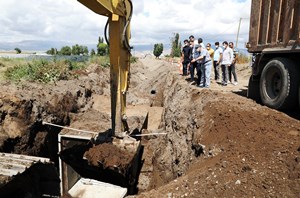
(296, 32)
(289, 14)
(275, 9)
(264, 23)
(11, 164)
(282, 21)
(254, 23)
(18, 157)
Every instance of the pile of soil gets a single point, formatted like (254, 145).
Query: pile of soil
(108, 155)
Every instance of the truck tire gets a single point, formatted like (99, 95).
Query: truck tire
(253, 90)
(279, 84)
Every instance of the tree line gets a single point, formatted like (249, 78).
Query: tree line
(102, 49)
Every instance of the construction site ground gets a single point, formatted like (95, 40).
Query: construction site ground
(218, 143)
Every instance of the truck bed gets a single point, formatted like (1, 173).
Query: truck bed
(274, 24)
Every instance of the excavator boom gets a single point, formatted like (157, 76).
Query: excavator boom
(119, 15)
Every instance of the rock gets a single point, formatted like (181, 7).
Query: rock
(224, 164)
(238, 182)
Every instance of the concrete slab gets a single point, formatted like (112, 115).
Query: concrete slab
(89, 188)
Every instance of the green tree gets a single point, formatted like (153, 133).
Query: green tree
(80, 49)
(76, 49)
(85, 50)
(18, 50)
(93, 53)
(52, 51)
(102, 48)
(66, 50)
(158, 49)
(176, 46)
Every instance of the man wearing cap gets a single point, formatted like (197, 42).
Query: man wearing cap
(205, 63)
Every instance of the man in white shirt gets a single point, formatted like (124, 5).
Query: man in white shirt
(217, 60)
(226, 62)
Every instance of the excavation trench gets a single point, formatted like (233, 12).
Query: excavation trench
(215, 139)
(156, 153)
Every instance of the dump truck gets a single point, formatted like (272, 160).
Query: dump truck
(274, 42)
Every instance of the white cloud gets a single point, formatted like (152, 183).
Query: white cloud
(211, 20)
(153, 21)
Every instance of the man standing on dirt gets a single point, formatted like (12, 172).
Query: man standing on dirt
(217, 60)
(186, 54)
(231, 68)
(226, 62)
(205, 64)
(198, 64)
(192, 66)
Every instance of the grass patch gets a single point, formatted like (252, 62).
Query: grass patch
(100, 60)
(43, 70)
(10, 62)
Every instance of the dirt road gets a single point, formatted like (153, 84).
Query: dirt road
(218, 142)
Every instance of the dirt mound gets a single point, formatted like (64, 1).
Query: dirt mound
(108, 156)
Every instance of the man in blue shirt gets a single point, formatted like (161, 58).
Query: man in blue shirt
(205, 65)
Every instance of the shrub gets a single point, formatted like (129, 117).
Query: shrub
(133, 59)
(243, 58)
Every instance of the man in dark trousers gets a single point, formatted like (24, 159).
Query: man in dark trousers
(193, 66)
(186, 55)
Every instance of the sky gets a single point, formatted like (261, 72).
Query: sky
(42, 24)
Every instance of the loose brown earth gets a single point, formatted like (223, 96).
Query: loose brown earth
(218, 142)
(101, 154)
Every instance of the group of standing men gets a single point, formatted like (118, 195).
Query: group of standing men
(200, 58)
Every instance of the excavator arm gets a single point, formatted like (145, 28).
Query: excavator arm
(119, 15)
